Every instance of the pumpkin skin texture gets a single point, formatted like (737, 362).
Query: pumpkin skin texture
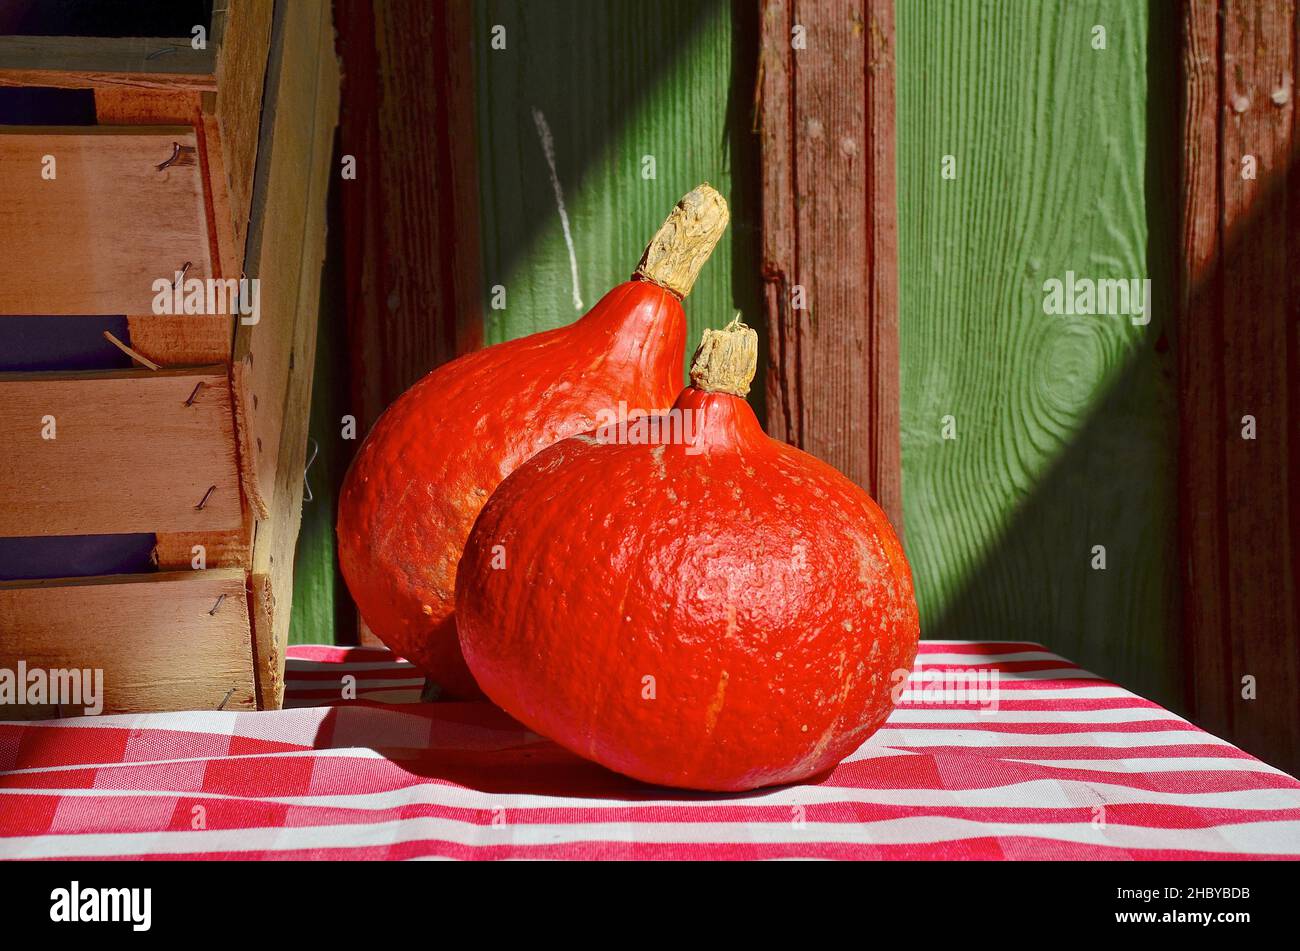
(764, 592)
(435, 455)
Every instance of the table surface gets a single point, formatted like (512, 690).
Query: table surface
(1068, 766)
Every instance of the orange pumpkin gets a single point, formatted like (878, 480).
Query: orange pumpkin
(686, 600)
(435, 455)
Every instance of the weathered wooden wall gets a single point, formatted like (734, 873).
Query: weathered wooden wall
(1065, 426)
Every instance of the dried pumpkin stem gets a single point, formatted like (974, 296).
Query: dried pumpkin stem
(726, 359)
(680, 247)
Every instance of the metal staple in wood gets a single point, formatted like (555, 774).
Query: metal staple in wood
(176, 153)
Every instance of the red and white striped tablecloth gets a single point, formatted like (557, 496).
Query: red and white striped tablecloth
(1069, 766)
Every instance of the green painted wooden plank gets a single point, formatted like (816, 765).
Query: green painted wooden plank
(614, 83)
(1065, 425)
(323, 612)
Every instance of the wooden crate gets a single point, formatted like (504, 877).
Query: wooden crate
(209, 162)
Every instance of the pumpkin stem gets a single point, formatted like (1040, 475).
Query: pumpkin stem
(683, 243)
(726, 359)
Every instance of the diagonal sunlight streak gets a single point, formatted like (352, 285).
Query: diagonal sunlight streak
(1067, 432)
(636, 100)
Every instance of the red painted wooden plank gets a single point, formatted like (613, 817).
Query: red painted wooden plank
(886, 456)
(1239, 504)
(411, 215)
(776, 97)
(830, 236)
(1264, 618)
(1202, 421)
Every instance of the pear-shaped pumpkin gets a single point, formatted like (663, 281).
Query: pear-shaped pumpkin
(435, 455)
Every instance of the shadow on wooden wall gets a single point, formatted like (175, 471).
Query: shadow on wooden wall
(1222, 256)
(1240, 358)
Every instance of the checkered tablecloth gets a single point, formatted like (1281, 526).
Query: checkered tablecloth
(1069, 766)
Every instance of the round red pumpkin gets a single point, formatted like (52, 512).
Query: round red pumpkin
(431, 461)
(715, 611)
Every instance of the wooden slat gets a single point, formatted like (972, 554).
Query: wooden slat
(220, 21)
(79, 62)
(129, 456)
(227, 549)
(131, 105)
(1202, 422)
(1264, 618)
(831, 233)
(885, 450)
(264, 356)
(829, 228)
(229, 248)
(243, 29)
(411, 236)
(776, 96)
(157, 638)
(111, 223)
(410, 218)
(135, 106)
(1238, 342)
(274, 359)
(189, 340)
(227, 117)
